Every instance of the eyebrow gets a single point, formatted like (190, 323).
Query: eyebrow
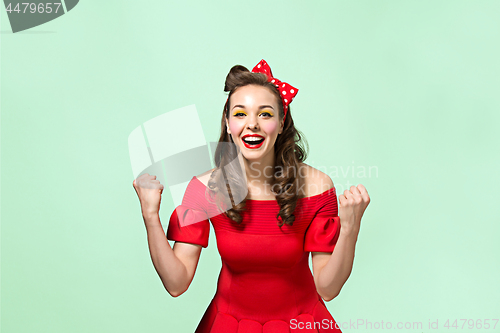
(260, 107)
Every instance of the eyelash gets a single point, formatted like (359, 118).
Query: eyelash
(265, 112)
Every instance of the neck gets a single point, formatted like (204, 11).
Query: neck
(260, 172)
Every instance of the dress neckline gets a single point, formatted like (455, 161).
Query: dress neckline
(257, 200)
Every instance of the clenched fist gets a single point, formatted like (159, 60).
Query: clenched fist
(149, 191)
(352, 205)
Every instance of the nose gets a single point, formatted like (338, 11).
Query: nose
(252, 122)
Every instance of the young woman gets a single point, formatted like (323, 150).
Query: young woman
(269, 210)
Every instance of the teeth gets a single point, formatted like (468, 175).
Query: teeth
(253, 138)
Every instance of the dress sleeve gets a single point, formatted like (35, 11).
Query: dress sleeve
(189, 221)
(324, 229)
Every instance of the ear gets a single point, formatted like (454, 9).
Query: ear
(227, 127)
(282, 124)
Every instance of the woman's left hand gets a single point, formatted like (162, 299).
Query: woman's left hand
(352, 205)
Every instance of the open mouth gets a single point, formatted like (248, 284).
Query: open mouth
(253, 142)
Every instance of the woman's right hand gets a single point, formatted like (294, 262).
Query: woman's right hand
(149, 191)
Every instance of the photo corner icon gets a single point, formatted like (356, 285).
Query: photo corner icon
(26, 15)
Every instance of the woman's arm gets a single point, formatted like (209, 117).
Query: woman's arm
(176, 267)
(331, 271)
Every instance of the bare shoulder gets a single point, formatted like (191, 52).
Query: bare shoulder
(205, 177)
(314, 181)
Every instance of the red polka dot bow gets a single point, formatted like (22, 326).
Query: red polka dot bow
(287, 92)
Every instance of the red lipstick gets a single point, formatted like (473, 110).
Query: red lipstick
(254, 141)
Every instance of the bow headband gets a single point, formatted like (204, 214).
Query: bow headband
(287, 91)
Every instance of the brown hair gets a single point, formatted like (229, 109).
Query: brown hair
(288, 150)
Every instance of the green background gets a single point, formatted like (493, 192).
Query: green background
(409, 88)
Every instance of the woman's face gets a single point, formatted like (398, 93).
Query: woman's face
(254, 115)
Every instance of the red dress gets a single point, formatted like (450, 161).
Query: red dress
(265, 284)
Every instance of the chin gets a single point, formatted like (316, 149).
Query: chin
(254, 156)
(251, 156)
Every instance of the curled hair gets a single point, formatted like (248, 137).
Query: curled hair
(289, 152)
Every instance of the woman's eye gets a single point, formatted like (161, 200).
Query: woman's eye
(265, 114)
